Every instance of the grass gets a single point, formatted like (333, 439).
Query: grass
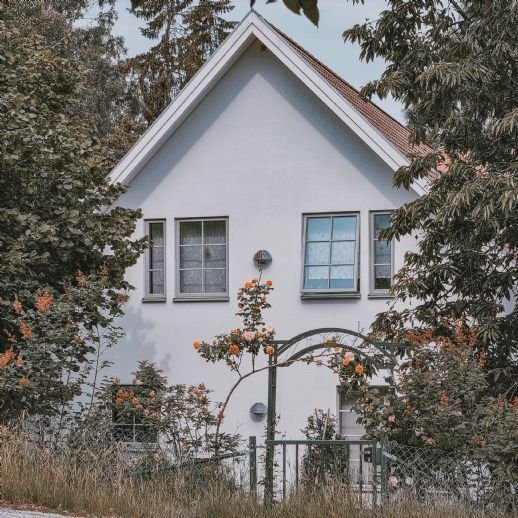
(100, 485)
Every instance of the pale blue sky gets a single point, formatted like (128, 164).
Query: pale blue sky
(325, 42)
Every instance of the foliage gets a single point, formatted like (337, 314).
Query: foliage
(252, 338)
(188, 33)
(454, 66)
(308, 7)
(323, 463)
(180, 419)
(100, 53)
(54, 357)
(64, 247)
(440, 398)
(54, 193)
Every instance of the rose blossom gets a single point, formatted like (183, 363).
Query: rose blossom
(248, 336)
(349, 356)
(392, 418)
(393, 481)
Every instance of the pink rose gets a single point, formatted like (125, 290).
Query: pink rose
(349, 356)
(392, 418)
(248, 336)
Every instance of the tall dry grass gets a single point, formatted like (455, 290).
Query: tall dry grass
(100, 484)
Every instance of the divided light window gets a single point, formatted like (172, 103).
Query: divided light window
(382, 254)
(202, 258)
(331, 253)
(155, 259)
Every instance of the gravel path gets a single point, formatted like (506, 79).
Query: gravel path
(14, 513)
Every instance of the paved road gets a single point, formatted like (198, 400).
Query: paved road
(12, 513)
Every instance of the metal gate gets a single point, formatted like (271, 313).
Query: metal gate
(309, 465)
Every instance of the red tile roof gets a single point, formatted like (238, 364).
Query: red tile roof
(395, 132)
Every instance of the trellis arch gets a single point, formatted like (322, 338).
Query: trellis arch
(380, 354)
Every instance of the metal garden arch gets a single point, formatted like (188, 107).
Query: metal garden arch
(380, 354)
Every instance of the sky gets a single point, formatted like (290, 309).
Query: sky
(325, 41)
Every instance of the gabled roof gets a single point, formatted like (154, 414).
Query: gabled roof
(395, 132)
(383, 134)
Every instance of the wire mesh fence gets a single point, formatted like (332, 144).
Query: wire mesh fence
(433, 474)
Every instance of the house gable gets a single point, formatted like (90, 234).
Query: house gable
(252, 29)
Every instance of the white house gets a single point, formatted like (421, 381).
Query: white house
(265, 149)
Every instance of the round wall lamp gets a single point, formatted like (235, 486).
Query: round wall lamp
(258, 411)
(262, 259)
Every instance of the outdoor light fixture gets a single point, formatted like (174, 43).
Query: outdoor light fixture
(262, 259)
(258, 411)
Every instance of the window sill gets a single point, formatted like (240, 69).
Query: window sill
(154, 299)
(382, 296)
(202, 299)
(329, 295)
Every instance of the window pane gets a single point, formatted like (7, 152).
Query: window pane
(156, 234)
(344, 227)
(382, 277)
(317, 253)
(382, 252)
(190, 257)
(316, 277)
(156, 282)
(342, 252)
(215, 281)
(342, 277)
(349, 425)
(190, 233)
(318, 229)
(156, 258)
(214, 232)
(190, 281)
(215, 256)
(381, 221)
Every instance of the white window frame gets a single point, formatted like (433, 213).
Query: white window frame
(330, 292)
(384, 292)
(192, 297)
(148, 296)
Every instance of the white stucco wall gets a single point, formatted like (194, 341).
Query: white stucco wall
(262, 150)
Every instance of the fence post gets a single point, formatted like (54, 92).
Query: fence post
(252, 449)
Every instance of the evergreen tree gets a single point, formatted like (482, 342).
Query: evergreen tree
(187, 34)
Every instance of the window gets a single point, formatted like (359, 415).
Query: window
(202, 258)
(347, 401)
(382, 253)
(349, 427)
(331, 253)
(155, 260)
(128, 422)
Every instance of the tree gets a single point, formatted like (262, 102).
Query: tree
(188, 33)
(100, 53)
(454, 67)
(58, 222)
(440, 398)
